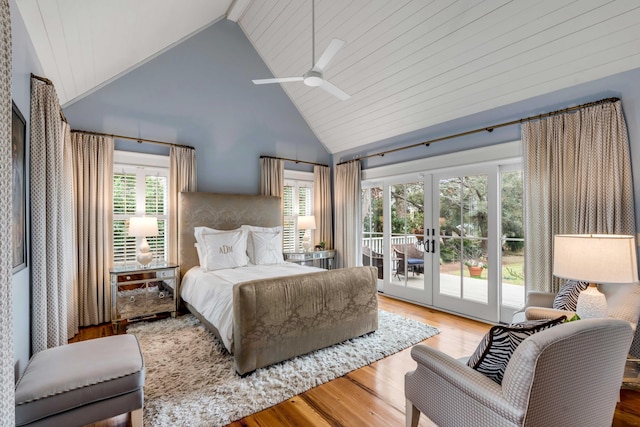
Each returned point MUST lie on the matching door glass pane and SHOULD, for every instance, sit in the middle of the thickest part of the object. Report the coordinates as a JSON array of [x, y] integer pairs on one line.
[[512, 232], [464, 237], [372, 226], [407, 234]]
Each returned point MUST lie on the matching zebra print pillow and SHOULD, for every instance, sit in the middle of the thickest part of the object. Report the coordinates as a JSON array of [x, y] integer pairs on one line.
[[497, 346], [567, 297]]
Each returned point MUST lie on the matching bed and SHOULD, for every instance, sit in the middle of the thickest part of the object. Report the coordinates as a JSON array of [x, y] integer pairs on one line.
[[274, 318]]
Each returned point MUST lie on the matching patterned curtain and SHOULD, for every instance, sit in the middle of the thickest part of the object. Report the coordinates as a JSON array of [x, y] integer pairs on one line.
[[347, 196], [92, 158], [182, 177], [577, 171], [322, 205], [48, 236], [70, 254], [7, 404]]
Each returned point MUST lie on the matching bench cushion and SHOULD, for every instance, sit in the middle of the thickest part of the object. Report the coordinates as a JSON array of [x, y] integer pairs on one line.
[[67, 377]]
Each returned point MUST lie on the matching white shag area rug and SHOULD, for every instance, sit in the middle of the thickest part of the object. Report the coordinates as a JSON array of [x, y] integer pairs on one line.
[[191, 381]]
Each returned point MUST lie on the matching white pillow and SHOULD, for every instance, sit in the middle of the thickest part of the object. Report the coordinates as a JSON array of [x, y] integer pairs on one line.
[[201, 256], [264, 244], [225, 249], [203, 249]]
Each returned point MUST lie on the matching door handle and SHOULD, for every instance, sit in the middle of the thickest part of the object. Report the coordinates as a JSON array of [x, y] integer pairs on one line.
[[426, 242], [433, 245]]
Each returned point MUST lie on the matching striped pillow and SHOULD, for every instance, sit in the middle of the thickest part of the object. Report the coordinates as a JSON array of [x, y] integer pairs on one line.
[[567, 297], [494, 351]]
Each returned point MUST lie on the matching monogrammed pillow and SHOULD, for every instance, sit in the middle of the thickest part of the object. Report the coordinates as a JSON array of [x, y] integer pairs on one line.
[[225, 249]]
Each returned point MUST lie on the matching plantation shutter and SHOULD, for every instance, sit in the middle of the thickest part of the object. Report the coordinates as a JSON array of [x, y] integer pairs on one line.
[[124, 205], [298, 200], [155, 202]]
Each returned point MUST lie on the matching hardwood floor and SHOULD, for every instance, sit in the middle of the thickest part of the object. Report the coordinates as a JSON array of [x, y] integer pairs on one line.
[[374, 395]]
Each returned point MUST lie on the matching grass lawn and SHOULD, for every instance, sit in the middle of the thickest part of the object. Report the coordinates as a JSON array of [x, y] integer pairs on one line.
[[512, 269]]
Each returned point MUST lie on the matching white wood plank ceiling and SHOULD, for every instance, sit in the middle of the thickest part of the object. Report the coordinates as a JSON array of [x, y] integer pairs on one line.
[[407, 64], [83, 44]]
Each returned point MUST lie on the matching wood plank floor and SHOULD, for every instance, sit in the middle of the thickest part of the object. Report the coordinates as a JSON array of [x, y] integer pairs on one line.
[[374, 395]]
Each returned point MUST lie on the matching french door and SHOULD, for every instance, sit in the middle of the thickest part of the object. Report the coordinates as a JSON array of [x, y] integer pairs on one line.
[[466, 209], [440, 237]]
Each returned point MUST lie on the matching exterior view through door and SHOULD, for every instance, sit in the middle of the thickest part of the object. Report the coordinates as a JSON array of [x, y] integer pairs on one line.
[[451, 240]]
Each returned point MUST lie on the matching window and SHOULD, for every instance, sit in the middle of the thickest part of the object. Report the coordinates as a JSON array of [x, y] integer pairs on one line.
[[140, 187], [298, 200]]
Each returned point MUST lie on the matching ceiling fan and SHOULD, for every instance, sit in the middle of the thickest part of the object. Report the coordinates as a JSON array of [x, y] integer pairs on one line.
[[314, 77]]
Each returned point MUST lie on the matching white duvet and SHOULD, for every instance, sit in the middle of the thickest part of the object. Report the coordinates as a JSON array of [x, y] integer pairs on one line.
[[211, 292]]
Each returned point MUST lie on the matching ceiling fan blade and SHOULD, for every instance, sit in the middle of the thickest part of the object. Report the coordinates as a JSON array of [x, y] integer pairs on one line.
[[277, 80], [328, 55], [334, 90]]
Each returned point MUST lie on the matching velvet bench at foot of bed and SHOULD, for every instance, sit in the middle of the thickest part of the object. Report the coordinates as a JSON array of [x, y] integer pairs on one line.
[[81, 383]]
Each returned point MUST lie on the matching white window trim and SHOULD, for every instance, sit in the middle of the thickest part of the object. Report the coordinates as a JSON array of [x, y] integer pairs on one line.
[[135, 163], [297, 177]]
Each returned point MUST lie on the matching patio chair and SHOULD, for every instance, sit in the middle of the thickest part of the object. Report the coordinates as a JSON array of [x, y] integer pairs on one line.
[[374, 259], [414, 259]]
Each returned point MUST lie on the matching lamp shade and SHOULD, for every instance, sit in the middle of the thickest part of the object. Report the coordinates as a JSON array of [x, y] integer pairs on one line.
[[595, 258], [143, 226], [307, 222]]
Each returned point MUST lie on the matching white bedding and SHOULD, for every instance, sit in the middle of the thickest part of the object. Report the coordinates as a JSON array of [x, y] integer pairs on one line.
[[211, 292]]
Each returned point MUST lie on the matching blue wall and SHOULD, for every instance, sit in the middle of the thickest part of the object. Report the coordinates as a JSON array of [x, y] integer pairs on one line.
[[25, 62], [200, 93], [625, 86]]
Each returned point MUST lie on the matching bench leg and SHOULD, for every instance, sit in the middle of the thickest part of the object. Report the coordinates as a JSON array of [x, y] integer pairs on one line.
[[136, 418]]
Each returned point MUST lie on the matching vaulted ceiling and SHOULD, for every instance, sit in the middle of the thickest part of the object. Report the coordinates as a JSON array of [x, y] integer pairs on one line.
[[407, 64]]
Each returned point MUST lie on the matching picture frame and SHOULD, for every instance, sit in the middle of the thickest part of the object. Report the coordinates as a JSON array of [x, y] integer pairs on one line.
[[19, 207]]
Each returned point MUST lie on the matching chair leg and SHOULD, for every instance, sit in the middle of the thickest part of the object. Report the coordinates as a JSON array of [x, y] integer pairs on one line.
[[136, 418], [412, 414]]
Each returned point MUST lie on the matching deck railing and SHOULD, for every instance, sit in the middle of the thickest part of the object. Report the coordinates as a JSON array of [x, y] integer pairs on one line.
[[376, 244]]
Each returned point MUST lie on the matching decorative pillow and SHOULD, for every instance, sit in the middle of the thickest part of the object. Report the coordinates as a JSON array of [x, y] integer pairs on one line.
[[219, 249], [264, 245], [227, 249], [567, 297], [494, 351]]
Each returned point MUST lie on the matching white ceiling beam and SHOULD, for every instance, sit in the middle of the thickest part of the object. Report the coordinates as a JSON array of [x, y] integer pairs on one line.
[[237, 9]]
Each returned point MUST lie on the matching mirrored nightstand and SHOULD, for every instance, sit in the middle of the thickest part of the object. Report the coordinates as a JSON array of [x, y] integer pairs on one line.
[[324, 259]]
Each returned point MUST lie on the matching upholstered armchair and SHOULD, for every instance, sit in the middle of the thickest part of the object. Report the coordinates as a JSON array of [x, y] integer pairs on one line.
[[414, 258], [374, 259], [568, 375], [623, 302]]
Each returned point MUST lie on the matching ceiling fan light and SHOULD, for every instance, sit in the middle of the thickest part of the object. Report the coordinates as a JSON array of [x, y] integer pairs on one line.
[[312, 81]]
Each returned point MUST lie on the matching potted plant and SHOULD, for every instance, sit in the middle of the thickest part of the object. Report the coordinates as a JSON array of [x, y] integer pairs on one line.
[[475, 268]]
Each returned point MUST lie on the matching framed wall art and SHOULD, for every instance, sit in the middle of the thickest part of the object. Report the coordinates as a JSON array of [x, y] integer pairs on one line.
[[19, 214]]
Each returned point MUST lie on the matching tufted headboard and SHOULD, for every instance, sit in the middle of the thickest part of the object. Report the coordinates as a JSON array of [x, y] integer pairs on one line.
[[223, 212]]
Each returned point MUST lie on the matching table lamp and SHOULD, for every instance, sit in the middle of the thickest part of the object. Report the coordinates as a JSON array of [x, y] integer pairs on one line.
[[306, 222], [143, 226], [595, 258]]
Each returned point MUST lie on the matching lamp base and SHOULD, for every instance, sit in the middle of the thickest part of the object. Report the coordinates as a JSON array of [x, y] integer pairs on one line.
[[144, 256], [591, 303], [306, 241]]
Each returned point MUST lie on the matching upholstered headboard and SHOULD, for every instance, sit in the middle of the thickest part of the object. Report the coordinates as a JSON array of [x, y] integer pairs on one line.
[[222, 212]]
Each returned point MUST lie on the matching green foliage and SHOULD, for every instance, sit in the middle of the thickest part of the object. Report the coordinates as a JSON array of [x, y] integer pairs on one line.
[[573, 318]]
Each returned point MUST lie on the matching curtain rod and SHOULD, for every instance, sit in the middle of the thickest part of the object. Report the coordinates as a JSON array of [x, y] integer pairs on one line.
[[50, 83], [486, 129], [139, 140], [292, 160]]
